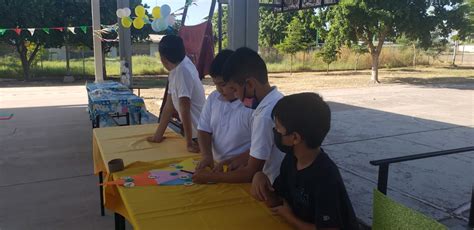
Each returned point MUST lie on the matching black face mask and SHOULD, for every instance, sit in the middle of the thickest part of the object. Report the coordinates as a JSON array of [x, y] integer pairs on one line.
[[279, 144]]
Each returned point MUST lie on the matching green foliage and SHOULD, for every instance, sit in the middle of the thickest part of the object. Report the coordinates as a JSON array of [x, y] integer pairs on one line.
[[294, 40], [272, 26]]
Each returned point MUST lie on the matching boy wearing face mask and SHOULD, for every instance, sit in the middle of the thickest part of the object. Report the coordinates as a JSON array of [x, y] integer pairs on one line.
[[224, 125], [309, 192], [245, 73]]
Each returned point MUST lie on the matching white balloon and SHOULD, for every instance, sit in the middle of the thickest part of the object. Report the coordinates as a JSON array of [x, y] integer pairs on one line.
[[171, 20], [127, 12], [120, 13]]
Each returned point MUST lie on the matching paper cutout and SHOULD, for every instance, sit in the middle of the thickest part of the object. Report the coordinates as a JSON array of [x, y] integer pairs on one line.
[[18, 31], [32, 31]]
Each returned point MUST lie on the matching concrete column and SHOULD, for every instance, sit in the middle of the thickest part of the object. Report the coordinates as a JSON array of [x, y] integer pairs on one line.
[[99, 75], [243, 24], [125, 48]]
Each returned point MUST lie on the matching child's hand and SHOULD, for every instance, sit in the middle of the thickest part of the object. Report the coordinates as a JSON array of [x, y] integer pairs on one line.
[[193, 147], [261, 186], [202, 176], [155, 139], [233, 163], [283, 210], [205, 162]]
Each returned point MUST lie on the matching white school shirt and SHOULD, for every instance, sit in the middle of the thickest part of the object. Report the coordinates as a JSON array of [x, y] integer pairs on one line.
[[263, 144], [229, 123], [184, 82]]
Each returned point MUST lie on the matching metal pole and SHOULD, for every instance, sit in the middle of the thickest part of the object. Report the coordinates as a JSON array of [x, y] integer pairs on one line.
[[125, 48], [99, 75], [219, 25], [383, 178], [471, 211], [185, 13]]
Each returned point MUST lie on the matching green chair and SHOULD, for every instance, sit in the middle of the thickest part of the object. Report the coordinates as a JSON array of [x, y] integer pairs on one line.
[[388, 214]]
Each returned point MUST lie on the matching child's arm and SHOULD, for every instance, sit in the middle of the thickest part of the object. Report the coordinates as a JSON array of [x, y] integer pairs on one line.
[[205, 143], [285, 212], [185, 109], [242, 175], [234, 163], [165, 118]]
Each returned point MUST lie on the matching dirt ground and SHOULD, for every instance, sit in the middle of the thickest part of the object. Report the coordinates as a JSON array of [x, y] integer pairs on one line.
[[314, 81]]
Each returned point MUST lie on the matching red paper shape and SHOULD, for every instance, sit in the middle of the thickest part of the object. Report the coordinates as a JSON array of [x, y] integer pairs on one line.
[[18, 31]]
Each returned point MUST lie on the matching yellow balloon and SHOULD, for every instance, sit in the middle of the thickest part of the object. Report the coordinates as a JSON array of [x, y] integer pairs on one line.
[[138, 23], [140, 11], [156, 12], [126, 22]]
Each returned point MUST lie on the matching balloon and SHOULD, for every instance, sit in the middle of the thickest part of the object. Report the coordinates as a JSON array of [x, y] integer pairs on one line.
[[126, 22], [156, 12], [171, 20], [163, 23], [154, 25], [120, 13], [140, 11], [127, 12], [165, 10], [146, 19], [138, 23]]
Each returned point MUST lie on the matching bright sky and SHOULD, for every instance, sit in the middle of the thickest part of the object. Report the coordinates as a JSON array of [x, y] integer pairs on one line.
[[195, 13]]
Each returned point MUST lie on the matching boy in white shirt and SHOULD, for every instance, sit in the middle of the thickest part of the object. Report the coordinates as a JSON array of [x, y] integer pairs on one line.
[[224, 128], [245, 73], [185, 91]]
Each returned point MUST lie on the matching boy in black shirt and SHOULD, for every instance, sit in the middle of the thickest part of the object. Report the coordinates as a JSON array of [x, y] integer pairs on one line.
[[309, 192]]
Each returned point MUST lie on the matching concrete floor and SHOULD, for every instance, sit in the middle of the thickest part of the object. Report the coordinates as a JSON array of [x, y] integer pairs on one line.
[[46, 179]]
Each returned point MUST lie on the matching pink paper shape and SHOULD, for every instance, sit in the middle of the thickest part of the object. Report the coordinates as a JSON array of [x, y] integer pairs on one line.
[[165, 176]]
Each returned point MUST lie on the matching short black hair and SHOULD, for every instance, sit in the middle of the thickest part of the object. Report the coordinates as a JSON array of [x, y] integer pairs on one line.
[[306, 114], [244, 64], [172, 48], [217, 65]]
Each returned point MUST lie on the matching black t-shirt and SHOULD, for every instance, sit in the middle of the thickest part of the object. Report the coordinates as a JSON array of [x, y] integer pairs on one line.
[[316, 194]]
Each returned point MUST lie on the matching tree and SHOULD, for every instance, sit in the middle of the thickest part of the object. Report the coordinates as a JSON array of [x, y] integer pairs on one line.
[[271, 25], [358, 50], [215, 30], [328, 54], [293, 41], [374, 22], [306, 18], [49, 14], [406, 42]]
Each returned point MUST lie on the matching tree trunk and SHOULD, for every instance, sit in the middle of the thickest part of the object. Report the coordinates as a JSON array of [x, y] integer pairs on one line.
[[22, 51], [304, 58], [291, 64], [454, 52], [375, 67], [104, 70], [357, 62], [68, 69], [327, 70], [414, 55]]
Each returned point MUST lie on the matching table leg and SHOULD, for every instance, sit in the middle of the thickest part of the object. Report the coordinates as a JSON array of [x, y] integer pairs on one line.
[[119, 222], [101, 189]]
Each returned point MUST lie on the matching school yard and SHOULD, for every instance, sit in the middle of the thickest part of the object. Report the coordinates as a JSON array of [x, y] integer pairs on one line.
[[46, 179]]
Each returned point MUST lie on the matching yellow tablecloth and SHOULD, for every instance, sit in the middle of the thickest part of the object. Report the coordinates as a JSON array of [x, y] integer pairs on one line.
[[129, 144], [215, 206]]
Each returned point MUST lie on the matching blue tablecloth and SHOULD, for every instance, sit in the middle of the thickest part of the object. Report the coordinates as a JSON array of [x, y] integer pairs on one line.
[[111, 98]]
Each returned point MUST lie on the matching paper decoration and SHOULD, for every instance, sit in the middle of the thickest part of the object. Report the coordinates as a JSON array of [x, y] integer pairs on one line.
[[84, 29], [61, 29], [46, 30], [18, 31], [32, 31], [2, 31], [72, 29]]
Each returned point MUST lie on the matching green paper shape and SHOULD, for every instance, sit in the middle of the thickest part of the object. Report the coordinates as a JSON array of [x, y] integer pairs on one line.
[[46, 30], [84, 29], [389, 214], [2, 31]]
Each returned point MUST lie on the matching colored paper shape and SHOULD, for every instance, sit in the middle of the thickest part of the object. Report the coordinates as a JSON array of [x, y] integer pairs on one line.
[[32, 31], [84, 29], [18, 31], [2, 31], [61, 29], [71, 29], [46, 30]]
